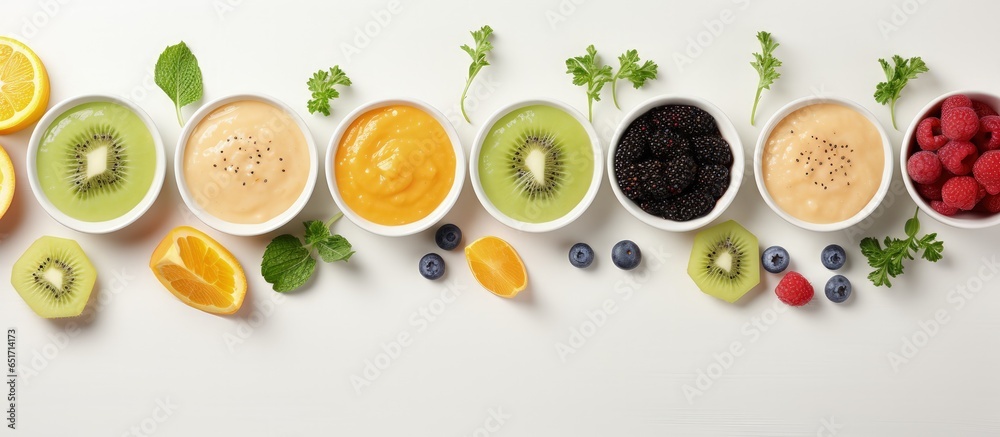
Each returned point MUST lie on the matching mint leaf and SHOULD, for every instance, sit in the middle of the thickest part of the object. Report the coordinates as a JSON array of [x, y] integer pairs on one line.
[[334, 248], [287, 264], [177, 74]]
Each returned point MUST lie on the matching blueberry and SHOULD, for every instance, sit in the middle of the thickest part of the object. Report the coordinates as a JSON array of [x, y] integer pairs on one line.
[[432, 266], [581, 255], [833, 257], [448, 236], [775, 259], [626, 255], [838, 288]]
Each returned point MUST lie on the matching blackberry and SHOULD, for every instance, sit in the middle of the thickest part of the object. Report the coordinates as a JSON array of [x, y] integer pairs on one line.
[[631, 149], [712, 179], [686, 119], [628, 181], [667, 145], [688, 206], [661, 180], [711, 150]]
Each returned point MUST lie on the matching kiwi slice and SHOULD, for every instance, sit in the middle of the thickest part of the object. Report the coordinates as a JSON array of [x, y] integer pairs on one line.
[[54, 277], [96, 162], [536, 164], [725, 261]]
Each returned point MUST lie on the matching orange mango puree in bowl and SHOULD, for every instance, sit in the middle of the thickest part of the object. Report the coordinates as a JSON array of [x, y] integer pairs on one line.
[[394, 165]]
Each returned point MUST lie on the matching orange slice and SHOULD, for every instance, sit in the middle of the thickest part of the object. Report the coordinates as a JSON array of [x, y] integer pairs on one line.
[[6, 181], [199, 271], [24, 86], [496, 266]]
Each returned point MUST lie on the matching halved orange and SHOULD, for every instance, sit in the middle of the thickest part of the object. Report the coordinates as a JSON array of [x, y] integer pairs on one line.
[[496, 266], [199, 271], [24, 86], [6, 181]]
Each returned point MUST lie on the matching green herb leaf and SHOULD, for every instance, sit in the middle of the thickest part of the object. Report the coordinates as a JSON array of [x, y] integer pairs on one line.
[[888, 262], [588, 71], [629, 69], [321, 84], [288, 264], [483, 46], [766, 65], [896, 78], [177, 74]]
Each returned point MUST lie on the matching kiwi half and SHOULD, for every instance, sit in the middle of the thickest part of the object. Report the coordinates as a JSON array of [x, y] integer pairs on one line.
[[725, 261], [54, 277], [96, 161], [536, 163]]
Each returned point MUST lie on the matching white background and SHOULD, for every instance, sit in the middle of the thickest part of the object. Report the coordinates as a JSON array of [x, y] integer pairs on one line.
[[819, 370]]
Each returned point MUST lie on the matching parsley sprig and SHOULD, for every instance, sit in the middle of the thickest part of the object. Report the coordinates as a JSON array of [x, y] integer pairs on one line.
[[766, 65], [322, 86], [288, 264], [483, 46], [896, 77], [588, 71], [629, 69], [888, 261]]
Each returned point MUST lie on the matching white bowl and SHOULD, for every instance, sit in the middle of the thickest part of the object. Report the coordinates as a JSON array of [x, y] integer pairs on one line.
[[573, 214], [102, 227], [243, 229], [883, 187], [728, 132], [965, 219], [410, 228]]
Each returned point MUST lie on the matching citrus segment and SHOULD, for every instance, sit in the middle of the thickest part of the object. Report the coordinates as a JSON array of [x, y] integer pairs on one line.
[[24, 86], [6, 181], [199, 271], [496, 266]]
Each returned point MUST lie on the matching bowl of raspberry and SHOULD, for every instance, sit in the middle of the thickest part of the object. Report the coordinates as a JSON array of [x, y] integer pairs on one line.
[[676, 163], [951, 159]]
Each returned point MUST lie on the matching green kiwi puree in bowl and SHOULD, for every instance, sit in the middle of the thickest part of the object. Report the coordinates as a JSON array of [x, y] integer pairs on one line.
[[536, 163], [96, 161]]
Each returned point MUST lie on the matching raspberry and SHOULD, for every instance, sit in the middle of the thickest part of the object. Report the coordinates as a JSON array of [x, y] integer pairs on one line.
[[923, 167], [987, 171], [929, 135], [989, 133], [989, 204], [943, 208], [931, 191], [958, 156], [982, 109], [959, 124], [956, 101], [794, 289], [961, 192]]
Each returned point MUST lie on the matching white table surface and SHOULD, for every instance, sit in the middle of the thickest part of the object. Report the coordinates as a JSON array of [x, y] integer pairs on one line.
[[476, 364]]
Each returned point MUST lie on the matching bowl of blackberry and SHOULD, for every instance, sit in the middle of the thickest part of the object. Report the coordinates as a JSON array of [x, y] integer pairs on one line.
[[676, 163]]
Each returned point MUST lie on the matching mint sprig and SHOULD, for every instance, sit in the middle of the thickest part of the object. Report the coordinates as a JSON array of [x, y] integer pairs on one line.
[[288, 263], [177, 74]]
